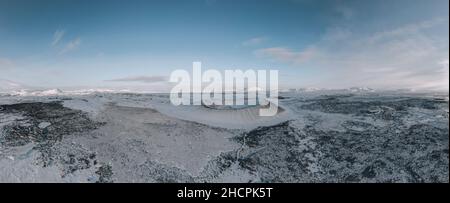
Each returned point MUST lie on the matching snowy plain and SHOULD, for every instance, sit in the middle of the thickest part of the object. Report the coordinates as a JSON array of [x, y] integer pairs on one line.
[[355, 135]]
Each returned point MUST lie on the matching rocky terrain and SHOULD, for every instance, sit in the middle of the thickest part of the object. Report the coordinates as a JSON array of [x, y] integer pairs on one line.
[[319, 137]]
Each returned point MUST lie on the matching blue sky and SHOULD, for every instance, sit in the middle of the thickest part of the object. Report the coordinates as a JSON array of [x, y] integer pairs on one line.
[[313, 43]]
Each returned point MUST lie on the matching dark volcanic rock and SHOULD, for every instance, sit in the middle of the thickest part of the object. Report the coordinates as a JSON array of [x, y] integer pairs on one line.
[[416, 154], [61, 121], [362, 152], [278, 153], [44, 124], [105, 174], [386, 110]]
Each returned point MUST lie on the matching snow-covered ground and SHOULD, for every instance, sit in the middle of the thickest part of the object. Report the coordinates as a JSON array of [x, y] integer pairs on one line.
[[355, 135]]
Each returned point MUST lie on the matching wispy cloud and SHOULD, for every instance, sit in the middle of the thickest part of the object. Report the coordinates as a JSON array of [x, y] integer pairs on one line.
[[286, 55], [57, 36], [254, 41], [334, 34], [142, 79], [70, 46], [409, 29], [408, 56]]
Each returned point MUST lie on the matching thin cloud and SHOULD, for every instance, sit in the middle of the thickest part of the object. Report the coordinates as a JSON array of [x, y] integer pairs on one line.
[[57, 36], [408, 56], [336, 34], [254, 41], [142, 79], [404, 57], [413, 28], [70, 46], [286, 55]]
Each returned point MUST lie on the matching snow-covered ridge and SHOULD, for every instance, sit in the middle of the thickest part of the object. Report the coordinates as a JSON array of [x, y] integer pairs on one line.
[[24, 92], [55, 92], [315, 89]]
